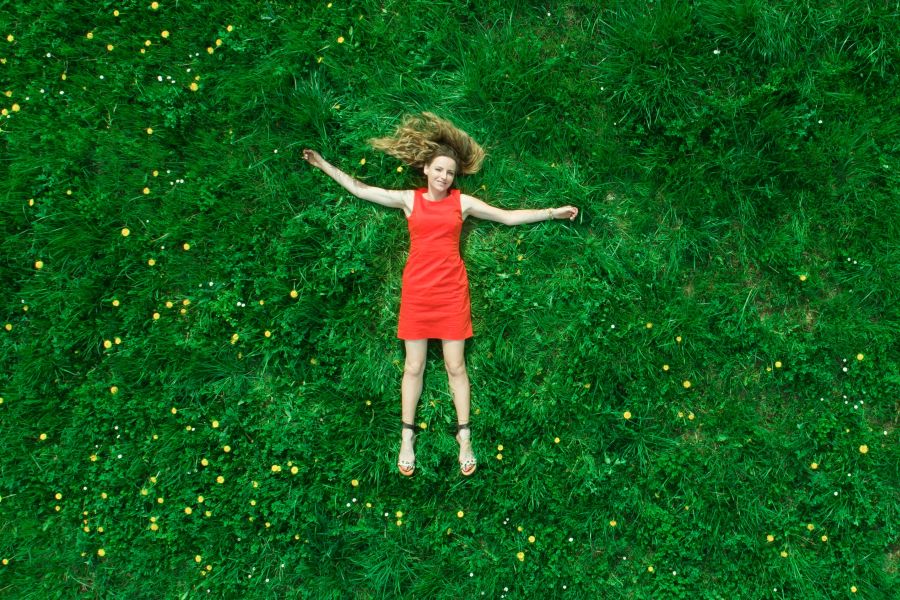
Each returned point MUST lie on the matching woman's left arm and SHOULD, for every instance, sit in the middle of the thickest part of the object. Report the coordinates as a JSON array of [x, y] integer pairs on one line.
[[473, 207]]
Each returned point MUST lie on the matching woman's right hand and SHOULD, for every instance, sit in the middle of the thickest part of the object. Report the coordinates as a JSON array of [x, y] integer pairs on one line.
[[313, 158]]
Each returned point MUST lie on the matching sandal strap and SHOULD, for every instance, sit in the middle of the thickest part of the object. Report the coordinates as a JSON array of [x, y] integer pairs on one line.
[[461, 426], [408, 425]]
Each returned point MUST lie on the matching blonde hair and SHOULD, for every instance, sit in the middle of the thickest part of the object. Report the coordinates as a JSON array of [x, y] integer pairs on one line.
[[420, 139]]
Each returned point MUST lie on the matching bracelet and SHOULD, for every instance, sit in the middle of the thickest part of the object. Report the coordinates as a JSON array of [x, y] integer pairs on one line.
[[549, 214]]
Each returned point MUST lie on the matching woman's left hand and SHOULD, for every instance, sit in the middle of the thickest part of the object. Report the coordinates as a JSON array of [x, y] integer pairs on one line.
[[565, 212]]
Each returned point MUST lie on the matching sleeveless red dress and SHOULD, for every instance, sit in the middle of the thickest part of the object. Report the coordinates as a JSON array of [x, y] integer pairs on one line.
[[434, 299]]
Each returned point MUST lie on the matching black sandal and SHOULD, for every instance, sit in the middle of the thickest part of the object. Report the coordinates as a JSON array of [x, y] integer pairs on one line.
[[468, 466], [406, 467]]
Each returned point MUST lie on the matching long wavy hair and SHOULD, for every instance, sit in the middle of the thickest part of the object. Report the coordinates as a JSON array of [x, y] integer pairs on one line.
[[420, 139]]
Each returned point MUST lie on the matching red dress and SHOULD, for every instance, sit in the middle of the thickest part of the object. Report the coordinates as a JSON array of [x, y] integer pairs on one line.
[[434, 299]]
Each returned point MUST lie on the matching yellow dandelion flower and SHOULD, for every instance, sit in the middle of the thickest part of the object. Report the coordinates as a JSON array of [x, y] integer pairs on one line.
[[520, 556], [399, 169], [210, 49], [198, 558], [93, 458], [15, 107], [860, 356], [154, 5], [810, 526], [613, 523], [864, 449], [340, 40], [627, 414], [499, 456], [267, 333], [194, 87], [220, 479], [690, 416], [802, 277], [149, 131], [169, 304], [814, 466], [650, 569], [165, 34], [200, 499], [126, 232], [294, 293], [686, 384], [500, 447], [110, 47], [188, 510], [156, 316], [531, 539], [8, 327], [230, 28], [770, 538], [114, 390], [116, 303], [174, 411], [115, 13], [42, 437], [146, 190], [294, 470], [784, 554], [354, 483], [218, 42], [39, 264], [649, 325], [777, 364], [226, 448], [276, 468], [215, 424], [556, 440], [824, 538], [204, 462], [154, 527], [89, 35], [101, 552], [853, 589], [160, 500]]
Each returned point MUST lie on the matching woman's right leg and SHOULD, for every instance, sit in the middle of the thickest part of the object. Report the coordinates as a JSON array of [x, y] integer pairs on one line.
[[410, 390]]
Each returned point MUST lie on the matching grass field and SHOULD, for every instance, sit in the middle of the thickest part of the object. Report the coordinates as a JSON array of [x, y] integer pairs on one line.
[[692, 391]]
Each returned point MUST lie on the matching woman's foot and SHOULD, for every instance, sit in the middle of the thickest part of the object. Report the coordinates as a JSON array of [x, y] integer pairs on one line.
[[467, 462], [406, 463]]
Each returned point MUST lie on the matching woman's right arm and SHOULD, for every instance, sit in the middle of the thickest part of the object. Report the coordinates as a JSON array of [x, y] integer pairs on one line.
[[390, 198]]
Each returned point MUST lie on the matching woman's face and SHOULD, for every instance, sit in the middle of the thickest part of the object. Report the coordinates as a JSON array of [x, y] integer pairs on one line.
[[440, 173]]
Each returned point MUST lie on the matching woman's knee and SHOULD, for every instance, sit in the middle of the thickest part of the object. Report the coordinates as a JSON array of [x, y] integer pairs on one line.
[[414, 367], [455, 368]]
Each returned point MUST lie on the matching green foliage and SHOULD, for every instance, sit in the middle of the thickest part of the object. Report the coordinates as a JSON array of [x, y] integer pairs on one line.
[[735, 164]]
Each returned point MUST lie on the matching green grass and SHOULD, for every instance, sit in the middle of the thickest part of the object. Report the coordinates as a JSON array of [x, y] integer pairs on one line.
[[736, 167]]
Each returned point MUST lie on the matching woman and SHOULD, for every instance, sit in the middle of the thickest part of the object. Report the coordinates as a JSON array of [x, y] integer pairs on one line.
[[434, 300]]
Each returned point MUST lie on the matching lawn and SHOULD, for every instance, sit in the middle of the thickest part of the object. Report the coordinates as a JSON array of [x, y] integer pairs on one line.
[[691, 391]]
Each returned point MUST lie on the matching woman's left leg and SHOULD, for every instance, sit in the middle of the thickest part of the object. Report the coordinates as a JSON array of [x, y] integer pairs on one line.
[[455, 362]]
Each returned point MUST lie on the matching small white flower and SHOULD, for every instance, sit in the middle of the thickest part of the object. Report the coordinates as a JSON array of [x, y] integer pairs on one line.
[[820, 121], [717, 51], [159, 77], [210, 284], [49, 55]]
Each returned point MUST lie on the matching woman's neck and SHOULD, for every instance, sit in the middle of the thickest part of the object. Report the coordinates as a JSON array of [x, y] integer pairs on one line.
[[432, 195]]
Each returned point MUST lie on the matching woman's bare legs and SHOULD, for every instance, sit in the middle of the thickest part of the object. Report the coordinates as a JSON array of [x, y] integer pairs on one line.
[[410, 390], [455, 361]]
